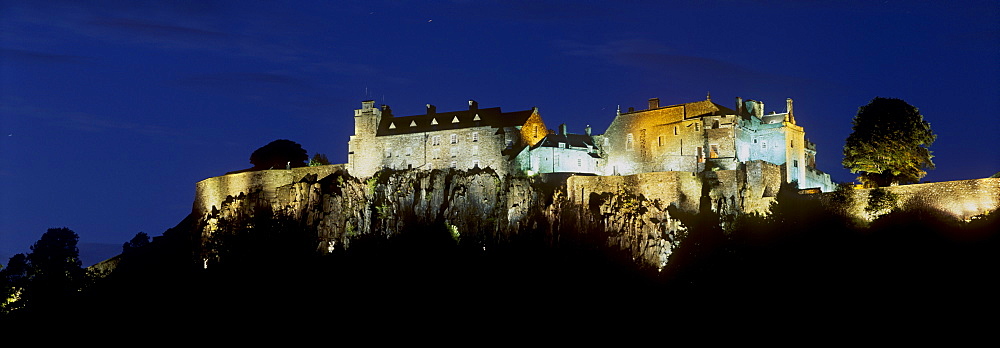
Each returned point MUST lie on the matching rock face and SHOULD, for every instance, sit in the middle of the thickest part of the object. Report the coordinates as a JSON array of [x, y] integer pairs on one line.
[[477, 206], [630, 216]]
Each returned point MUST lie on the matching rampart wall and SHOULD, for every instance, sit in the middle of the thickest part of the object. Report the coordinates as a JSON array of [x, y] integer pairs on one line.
[[961, 199], [213, 191]]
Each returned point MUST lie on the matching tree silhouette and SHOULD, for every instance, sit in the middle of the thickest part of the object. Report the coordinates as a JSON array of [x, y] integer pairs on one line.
[[55, 273], [279, 154], [141, 239], [889, 144], [13, 279]]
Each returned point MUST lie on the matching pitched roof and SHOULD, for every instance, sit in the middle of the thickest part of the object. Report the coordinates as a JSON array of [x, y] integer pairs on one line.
[[573, 140], [695, 109], [439, 121]]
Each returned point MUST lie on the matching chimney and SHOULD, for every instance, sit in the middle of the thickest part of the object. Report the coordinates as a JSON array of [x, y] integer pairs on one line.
[[562, 129], [473, 105], [631, 109], [739, 106], [654, 103], [788, 109], [587, 130], [431, 109]]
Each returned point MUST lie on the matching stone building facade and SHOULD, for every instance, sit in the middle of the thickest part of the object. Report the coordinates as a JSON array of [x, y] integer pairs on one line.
[[561, 152], [461, 139], [701, 135]]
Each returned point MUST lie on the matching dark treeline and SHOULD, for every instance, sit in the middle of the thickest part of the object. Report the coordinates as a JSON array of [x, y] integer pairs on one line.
[[803, 255]]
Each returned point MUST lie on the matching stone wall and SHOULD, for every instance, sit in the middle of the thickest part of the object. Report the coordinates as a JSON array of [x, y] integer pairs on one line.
[[961, 199], [212, 192]]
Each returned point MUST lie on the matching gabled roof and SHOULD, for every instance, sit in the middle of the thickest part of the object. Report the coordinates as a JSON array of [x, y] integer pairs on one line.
[[573, 140], [706, 107], [694, 109], [439, 121]]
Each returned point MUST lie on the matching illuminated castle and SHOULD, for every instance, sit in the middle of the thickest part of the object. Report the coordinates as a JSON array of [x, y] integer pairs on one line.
[[437, 140], [690, 137], [693, 137]]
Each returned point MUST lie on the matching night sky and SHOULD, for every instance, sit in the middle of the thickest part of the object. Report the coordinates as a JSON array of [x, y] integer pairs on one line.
[[110, 111]]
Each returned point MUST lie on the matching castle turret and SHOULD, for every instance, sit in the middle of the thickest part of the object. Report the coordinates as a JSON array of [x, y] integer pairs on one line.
[[360, 158]]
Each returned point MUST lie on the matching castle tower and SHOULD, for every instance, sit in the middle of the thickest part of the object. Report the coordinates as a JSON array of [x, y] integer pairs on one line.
[[362, 149]]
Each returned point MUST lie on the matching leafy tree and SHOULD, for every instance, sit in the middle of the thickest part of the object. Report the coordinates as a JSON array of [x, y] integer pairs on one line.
[[12, 281], [319, 160], [279, 154], [55, 264], [881, 202], [141, 239], [889, 143]]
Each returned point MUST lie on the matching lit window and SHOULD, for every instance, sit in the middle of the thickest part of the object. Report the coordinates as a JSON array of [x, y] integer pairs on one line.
[[436, 140], [714, 152], [629, 142], [454, 151], [454, 164], [436, 153], [697, 127], [475, 136], [579, 162], [701, 156], [454, 138]]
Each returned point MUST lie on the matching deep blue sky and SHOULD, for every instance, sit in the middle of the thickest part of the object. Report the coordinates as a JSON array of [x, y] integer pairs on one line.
[[110, 111]]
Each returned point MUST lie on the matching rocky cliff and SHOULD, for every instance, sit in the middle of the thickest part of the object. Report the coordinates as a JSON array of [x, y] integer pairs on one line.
[[478, 206]]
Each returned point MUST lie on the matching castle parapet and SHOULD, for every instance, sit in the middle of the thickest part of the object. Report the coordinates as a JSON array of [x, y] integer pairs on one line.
[[213, 191]]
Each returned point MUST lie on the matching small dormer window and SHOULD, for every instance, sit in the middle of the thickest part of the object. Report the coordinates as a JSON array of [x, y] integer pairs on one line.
[[562, 145]]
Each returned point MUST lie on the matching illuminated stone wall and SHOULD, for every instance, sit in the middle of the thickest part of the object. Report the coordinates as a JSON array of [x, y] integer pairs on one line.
[[961, 199], [212, 192]]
